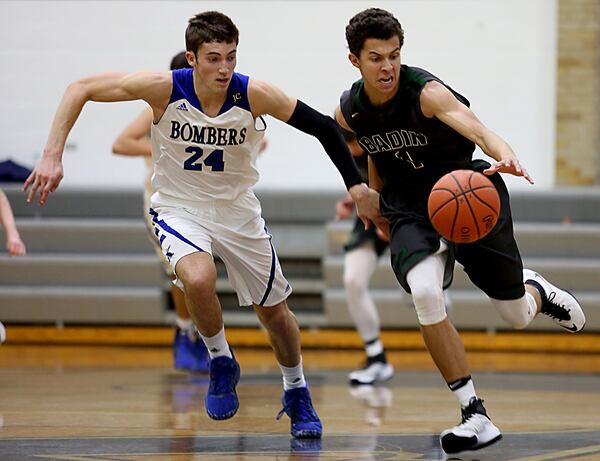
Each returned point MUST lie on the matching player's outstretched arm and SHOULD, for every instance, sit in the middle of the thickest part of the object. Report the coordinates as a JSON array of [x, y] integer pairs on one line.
[[153, 87], [266, 98], [438, 101]]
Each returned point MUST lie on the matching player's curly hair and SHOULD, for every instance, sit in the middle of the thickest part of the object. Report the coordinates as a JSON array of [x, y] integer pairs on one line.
[[210, 26], [372, 23]]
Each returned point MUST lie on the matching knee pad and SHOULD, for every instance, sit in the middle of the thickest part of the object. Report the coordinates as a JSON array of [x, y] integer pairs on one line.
[[429, 304], [518, 313]]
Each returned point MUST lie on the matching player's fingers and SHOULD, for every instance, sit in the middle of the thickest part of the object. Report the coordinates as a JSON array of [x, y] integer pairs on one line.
[[518, 167], [527, 176], [28, 182], [49, 187], [33, 191], [43, 195]]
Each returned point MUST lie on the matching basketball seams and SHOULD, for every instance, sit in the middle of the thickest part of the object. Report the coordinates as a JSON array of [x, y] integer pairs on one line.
[[464, 193], [454, 197], [497, 212]]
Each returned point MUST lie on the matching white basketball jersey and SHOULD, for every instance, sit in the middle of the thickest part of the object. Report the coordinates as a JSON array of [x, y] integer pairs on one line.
[[200, 159]]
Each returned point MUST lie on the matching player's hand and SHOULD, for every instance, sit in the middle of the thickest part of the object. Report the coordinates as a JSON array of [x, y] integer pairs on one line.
[[367, 204], [344, 208], [510, 166], [45, 178], [383, 232], [15, 246]]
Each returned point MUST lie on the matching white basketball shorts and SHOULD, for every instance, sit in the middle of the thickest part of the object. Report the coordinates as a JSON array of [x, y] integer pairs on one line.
[[233, 231]]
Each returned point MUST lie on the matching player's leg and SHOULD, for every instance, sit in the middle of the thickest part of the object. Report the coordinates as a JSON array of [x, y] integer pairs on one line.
[[187, 244], [198, 274], [254, 271], [447, 350], [359, 265], [494, 265], [424, 267], [284, 335], [189, 351]]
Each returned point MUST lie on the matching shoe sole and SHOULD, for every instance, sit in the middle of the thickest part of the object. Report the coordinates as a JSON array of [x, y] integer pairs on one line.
[[454, 439], [307, 434], [224, 416]]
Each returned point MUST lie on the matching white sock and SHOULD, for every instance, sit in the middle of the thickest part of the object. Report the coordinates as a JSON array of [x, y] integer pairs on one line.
[[293, 377], [374, 348], [217, 345], [465, 393]]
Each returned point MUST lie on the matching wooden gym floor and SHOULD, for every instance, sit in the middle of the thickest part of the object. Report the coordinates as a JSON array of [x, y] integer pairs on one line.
[[111, 394]]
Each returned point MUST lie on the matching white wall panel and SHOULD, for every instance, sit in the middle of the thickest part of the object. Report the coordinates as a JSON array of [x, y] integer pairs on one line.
[[501, 54]]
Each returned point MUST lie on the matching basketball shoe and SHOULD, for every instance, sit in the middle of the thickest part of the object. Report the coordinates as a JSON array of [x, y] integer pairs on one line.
[[475, 431], [374, 371], [297, 404], [560, 305], [189, 353], [221, 400]]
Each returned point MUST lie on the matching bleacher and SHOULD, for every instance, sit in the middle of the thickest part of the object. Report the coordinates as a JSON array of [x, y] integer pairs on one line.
[[90, 261]]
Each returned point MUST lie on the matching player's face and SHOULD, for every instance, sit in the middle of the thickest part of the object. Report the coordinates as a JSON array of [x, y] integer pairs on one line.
[[379, 65], [214, 63]]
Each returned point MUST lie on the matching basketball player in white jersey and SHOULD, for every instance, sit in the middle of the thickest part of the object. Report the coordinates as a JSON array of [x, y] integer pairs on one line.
[[205, 136]]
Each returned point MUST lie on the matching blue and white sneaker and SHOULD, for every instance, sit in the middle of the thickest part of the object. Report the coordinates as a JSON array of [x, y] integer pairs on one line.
[[189, 354], [221, 400], [305, 423]]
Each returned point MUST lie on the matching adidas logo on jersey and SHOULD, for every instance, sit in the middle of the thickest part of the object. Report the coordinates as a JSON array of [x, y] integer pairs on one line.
[[182, 106]]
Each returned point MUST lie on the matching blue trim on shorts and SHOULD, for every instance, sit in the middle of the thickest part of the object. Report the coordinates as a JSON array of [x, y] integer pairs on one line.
[[271, 275], [164, 226]]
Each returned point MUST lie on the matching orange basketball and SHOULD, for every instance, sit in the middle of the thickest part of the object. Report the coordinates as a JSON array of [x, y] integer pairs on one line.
[[463, 206]]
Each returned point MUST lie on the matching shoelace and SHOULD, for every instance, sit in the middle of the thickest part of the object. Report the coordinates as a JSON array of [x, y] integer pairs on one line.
[[556, 310], [220, 382], [297, 408], [474, 422], [472, 409]]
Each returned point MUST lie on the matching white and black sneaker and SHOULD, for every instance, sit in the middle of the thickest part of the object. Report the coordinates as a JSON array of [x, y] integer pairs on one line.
[[560, 305], [374, 371], [475, 431]]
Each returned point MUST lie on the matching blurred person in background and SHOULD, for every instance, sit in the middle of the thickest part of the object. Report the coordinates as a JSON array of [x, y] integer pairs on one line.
[[14, 244]]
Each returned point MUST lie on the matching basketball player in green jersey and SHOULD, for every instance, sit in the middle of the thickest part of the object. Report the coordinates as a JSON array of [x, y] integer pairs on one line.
[[416, 129]]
